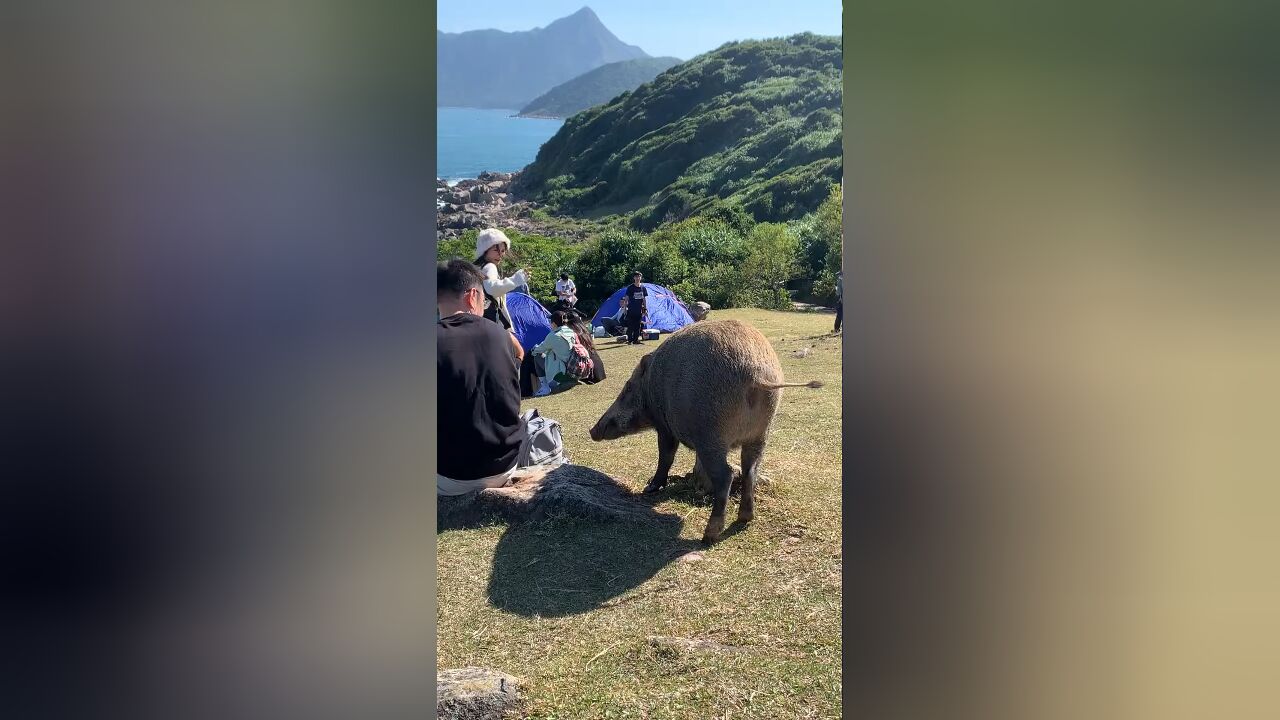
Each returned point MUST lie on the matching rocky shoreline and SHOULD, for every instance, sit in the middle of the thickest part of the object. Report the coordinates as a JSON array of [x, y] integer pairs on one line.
[[487, 201]]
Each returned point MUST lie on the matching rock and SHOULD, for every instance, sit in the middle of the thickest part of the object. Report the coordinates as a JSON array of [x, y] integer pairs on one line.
[[459, 198], [475, 694], [699, 310], [690, 557], [485, 197], [568, 490]]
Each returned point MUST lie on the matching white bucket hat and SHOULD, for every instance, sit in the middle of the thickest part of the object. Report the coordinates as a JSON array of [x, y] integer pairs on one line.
[[488, 238]]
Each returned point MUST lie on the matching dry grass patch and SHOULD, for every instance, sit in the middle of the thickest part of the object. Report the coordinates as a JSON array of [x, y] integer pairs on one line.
[[571, 605]]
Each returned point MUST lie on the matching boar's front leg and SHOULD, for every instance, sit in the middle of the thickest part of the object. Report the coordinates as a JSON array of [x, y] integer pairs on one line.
[[667, 446]]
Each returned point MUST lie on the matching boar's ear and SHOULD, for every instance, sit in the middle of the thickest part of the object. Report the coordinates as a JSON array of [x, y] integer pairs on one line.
[[643, 367]]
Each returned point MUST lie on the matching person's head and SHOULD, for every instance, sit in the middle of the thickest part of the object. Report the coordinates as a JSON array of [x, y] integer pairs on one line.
[[622, 302], [636, 278], [564, 276], [559, 318], [459, 288], [491, 245]]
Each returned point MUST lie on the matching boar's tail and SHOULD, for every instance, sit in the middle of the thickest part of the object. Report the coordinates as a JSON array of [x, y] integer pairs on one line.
[[777, 386]]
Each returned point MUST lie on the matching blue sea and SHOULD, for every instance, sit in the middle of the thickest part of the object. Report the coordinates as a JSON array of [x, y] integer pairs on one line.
[[470, 141]]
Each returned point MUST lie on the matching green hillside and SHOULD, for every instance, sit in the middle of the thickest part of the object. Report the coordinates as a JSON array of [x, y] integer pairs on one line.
[[597, 87], [753, 125]]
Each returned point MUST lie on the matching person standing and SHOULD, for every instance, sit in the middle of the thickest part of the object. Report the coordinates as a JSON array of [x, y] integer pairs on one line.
[[839, 300], [491, 246], [637, 308]]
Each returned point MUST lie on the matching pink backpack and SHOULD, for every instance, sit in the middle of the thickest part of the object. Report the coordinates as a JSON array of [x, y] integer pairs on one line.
[[579, 366]]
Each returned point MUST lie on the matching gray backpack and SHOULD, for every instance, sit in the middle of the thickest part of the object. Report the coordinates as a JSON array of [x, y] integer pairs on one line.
[[542, 444]]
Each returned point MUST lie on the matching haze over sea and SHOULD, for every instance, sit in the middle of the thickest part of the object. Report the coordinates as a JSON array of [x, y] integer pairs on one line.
[[470, 141]]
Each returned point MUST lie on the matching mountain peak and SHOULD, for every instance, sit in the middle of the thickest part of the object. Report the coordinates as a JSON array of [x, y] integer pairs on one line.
[[585, 16]]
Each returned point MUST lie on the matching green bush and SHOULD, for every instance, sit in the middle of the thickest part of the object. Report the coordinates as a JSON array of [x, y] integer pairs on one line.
[[708, 259], [820, 237], [770, 263]]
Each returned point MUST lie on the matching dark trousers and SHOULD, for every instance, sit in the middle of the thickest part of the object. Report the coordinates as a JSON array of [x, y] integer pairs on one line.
[[633, 328], [839, 314], [611, 326]]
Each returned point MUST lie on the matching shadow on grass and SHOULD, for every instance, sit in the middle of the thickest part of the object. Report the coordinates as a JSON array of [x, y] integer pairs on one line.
[[576, 539], [568, 566]]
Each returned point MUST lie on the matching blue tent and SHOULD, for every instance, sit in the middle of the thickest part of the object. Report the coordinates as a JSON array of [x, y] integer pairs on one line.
[[531, 321], [666, 313]]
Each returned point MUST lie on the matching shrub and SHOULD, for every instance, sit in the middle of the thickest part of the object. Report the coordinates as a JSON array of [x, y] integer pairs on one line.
[[770, 263]]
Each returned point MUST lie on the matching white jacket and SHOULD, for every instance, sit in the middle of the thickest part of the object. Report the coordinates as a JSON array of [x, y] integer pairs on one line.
[[496, 285]]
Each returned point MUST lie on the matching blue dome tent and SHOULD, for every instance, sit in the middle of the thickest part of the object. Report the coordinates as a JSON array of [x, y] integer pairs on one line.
[[666, 313], [529, 319]]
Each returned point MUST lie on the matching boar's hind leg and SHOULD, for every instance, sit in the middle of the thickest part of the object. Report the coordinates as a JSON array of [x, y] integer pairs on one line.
[[717, 468], [667, 446], [751, 454]]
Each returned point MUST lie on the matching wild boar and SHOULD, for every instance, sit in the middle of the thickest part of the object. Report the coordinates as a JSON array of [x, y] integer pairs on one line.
[[712, 386]]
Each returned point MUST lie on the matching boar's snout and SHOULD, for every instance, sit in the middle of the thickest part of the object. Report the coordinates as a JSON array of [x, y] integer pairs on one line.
[[605, 429]]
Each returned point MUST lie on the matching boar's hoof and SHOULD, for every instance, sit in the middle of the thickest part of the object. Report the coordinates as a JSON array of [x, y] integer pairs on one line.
[[712, 534], [745, 516], [654, 486]]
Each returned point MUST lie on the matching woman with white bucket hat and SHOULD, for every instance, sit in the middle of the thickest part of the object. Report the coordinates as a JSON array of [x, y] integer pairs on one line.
[[491, 245]]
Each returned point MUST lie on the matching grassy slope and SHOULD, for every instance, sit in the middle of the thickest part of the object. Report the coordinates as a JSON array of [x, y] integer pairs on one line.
[[755, 123], [571, 590], [597, 86]]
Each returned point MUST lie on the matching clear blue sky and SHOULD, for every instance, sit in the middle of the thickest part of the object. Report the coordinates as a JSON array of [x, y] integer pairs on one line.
[[682, 28]]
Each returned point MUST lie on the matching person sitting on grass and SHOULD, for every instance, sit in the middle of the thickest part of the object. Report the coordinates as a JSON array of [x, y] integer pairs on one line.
[[583, 331], [477, 385], [566, 293], [614, 323], [556, 349]]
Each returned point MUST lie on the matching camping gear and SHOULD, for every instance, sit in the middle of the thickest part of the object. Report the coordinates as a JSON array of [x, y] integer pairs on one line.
[[666, 313], [599, 331], [530, 320], [649, 334], [542, 443]]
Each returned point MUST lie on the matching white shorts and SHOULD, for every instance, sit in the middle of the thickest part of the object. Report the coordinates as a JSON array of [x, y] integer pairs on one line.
[[449, 486]]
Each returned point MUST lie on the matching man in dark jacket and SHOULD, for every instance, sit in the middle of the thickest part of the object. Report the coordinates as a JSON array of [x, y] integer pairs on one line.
[[478, 388]]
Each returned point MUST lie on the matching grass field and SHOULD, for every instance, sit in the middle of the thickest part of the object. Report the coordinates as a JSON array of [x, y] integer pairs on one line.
[[571, 606]]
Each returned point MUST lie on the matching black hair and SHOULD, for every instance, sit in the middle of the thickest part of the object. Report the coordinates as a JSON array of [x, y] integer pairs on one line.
[[564, 276], [560, 317], [583, 331], [455, 277]]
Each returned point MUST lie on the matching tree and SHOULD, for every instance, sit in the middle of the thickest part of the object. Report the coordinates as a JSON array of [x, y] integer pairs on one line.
[[769, 265]]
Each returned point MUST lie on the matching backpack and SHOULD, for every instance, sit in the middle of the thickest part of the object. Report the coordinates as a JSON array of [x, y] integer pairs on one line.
[[579, 365], [542, 443]]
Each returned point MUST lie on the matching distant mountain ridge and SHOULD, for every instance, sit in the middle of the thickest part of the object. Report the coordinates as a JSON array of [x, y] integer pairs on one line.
[[596, 87], [752, 126], [497, 69]]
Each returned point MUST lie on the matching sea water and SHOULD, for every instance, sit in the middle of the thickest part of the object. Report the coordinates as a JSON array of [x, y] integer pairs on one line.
[[470, 141]]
